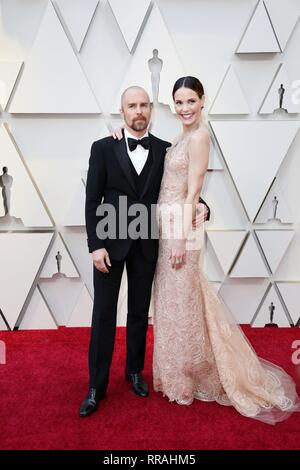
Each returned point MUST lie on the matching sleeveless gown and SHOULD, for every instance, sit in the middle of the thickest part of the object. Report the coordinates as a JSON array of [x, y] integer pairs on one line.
[[200, 352]]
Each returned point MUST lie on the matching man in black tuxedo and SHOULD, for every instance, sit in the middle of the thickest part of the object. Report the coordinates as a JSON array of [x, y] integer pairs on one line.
[[130, 170]]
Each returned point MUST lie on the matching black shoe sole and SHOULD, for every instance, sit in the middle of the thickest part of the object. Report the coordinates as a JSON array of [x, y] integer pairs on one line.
[[85, 415], [139, 394]]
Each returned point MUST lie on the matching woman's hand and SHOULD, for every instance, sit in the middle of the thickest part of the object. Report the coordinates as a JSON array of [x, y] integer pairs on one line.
[[178, 253], [118, 134]]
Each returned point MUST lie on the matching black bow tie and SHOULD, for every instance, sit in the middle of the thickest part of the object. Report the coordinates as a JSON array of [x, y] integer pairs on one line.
[[133, 143]]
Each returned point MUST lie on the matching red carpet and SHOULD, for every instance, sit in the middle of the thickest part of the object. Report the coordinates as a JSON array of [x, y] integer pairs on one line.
[[45, 379]]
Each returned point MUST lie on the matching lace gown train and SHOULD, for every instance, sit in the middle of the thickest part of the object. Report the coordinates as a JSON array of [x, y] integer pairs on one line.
[[199, 349]]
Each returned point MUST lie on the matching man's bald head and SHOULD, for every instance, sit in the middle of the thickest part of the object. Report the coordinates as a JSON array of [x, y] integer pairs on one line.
[[131, 92]]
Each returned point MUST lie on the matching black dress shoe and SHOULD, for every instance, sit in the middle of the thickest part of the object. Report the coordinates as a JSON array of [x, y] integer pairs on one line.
[[90, 404], [139, 385]]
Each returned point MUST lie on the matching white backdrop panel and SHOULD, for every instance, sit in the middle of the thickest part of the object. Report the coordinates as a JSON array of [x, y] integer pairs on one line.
[[243, 297], [254, 151], [26, 203], [38, 315], [259, 35], [155, 36], [82, 313], [230, 98], [290, 292], [271, 101], [9, 72], [52, 80], [56, 148], [21, 255], [249, 262], [284, 16], [52, 265], [226, 245], [263, 316], [274, 244], [130, 16], [77, 16]]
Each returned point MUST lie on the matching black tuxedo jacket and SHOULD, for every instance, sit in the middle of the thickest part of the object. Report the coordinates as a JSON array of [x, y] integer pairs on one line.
[[109, 177]]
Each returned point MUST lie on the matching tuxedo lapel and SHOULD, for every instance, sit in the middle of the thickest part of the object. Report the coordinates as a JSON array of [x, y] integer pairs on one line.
[[155, 164], [120, 150]]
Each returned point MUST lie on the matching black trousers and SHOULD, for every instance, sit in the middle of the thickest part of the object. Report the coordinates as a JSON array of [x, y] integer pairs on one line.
[[140, 272]]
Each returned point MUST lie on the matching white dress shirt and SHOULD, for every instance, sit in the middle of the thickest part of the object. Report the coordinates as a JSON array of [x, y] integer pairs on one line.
[[139, 155]]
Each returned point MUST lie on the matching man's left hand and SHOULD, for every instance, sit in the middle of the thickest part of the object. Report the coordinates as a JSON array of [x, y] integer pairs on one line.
[[201, 215]]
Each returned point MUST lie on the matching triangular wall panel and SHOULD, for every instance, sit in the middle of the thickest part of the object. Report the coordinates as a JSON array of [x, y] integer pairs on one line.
[[211, 264], [226, 244], [230, 98], [82, 313], [77, 16], [290, 292], [22, 189], [52, 80], [19, 270], [37, 315], [274, 244], [76, 213], [276, 205], [243, 296], [259, 36], [271, 102], [3, 326], [130, 15], [59, 261], [249, 262], [61, 294], [262, 318], [9, 72], [76, 241], [226, 208], [155, 36], [284, 16], [215, 162], [254, 151]]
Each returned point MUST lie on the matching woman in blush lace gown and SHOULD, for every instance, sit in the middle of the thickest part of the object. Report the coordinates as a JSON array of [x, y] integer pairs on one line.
[[199, 349]]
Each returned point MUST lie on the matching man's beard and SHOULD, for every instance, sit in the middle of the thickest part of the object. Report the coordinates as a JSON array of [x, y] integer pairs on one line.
[[139, 125]]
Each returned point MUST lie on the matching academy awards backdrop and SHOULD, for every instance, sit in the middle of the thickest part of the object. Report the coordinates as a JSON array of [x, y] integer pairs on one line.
[[63, 67]]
